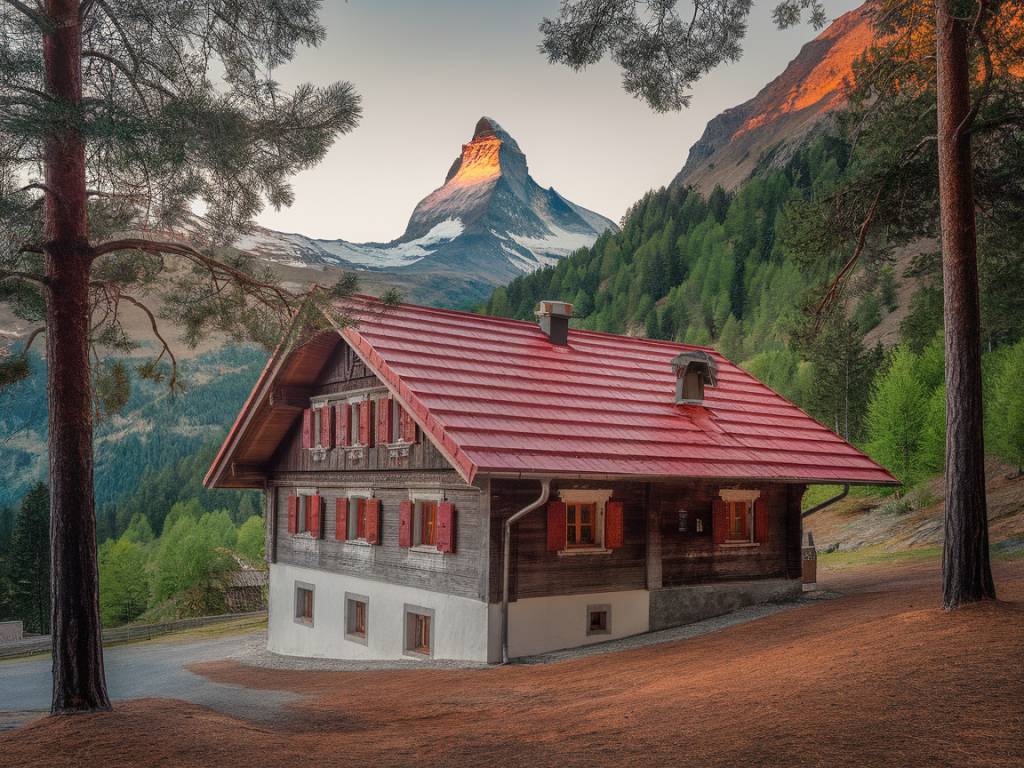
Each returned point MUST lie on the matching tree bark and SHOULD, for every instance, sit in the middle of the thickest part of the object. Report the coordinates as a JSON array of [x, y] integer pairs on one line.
[[966, 571], [79, 684]]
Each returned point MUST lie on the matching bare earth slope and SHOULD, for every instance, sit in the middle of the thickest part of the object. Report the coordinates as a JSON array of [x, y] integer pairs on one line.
[[880, 677]]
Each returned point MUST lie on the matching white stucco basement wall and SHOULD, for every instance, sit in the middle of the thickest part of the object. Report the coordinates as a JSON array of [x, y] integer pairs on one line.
[[460, 624], [542, 624]]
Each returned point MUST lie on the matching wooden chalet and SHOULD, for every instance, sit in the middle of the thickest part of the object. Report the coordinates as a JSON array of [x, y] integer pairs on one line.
[[442, 484]]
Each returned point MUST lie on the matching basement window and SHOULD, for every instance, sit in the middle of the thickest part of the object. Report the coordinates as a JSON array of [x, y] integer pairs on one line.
[[599, 619], [304, 603], [419, 631], [357, 610]]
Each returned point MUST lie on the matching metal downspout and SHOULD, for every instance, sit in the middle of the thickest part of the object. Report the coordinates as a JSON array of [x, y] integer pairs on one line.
[[545, 490], [827, 502]]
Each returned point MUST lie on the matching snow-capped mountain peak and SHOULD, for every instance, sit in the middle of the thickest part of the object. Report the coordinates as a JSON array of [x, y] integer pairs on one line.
[[487, 223]]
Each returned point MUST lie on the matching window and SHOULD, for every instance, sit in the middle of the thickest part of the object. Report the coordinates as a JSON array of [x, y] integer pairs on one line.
[[356, 617], [425, 524], [356, 517], [419, 631], [738, 516], [599, 619], [353, 423], [304, 603], [580, 524], [305, 509], [584, 521]]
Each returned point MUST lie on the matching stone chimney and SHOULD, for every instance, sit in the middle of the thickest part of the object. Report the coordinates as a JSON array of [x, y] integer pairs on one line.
[[694, 371], [553, 317]]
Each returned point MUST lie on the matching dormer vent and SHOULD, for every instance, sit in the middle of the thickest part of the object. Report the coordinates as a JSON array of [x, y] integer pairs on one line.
[[694, 371], [553, 317]]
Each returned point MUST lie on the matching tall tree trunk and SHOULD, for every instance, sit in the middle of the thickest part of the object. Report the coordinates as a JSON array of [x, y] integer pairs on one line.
[[966, 572], [78, 679]]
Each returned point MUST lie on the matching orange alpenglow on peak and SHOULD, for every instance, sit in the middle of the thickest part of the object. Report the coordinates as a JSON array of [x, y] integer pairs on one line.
[[480, 162], [481, 157]]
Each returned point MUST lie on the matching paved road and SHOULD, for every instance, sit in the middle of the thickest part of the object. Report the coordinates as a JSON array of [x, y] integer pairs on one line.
[[141, 670]]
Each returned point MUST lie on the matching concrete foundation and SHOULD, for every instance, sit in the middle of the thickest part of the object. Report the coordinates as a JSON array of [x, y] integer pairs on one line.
[[674, 606]]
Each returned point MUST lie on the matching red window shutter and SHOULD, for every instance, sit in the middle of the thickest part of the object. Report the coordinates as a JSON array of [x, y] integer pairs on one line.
[[372, 523], [405, 524], [556, 526], [365, 427], [341, 519], [406, 426], [613, 530], [293, 515], [384, 420], [326, 427], [343, 424], [761, 521], [315, 504], [307, 428], [446, 526], [719, 521]]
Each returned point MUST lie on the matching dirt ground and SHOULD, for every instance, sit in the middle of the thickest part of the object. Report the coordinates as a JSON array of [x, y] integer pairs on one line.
[[880, 677]]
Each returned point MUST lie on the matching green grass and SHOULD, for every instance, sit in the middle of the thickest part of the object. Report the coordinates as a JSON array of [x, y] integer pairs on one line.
[[877, 555]]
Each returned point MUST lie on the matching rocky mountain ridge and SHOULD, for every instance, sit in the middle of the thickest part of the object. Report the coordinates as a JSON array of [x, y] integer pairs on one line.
[[784, 113]]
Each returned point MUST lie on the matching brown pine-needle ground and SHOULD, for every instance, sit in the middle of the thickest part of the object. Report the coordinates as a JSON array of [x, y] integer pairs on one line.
[[881, 677]]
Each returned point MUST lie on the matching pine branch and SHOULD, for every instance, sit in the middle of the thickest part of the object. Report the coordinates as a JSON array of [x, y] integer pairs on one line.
[[217, 269]]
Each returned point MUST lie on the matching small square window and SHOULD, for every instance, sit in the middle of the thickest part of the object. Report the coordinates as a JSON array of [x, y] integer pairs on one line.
[[599, 619], [357, 617], [419, 631], [304, 603]]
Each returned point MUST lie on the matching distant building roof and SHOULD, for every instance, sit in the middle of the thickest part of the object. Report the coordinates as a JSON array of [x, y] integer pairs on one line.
[[499, 398]]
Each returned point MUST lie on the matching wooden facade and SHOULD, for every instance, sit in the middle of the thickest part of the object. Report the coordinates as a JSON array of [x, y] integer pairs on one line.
[[666, 535]]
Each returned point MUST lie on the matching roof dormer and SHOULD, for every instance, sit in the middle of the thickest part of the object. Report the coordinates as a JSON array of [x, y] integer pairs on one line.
[[694, 371]]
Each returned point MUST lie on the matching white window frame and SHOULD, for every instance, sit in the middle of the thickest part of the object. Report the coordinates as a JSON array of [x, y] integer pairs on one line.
[[417, 496], [350, 494], [599, 497], [747, 496]]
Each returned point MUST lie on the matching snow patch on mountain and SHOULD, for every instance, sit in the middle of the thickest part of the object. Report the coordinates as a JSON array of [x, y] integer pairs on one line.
[[294, 250]]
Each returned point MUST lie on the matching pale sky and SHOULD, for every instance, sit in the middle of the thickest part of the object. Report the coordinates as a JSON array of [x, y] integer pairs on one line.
[[428, 70]]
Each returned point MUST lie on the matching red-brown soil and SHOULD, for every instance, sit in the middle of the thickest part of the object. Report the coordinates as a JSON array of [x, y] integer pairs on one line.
[[880, 677]]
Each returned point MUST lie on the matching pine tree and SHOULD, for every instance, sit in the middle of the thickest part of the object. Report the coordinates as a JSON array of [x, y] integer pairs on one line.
[[117, 119], [124, 587], [896, 417], [1007, 408], [30, 561]]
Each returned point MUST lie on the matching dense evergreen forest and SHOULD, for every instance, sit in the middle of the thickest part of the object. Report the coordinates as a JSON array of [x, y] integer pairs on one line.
[[727, 270]]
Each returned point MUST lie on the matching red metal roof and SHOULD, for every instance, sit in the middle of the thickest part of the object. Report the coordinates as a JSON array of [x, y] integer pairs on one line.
[[499, 398]]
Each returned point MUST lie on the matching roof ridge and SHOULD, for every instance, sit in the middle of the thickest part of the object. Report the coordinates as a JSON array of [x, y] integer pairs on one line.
[[444, 311]]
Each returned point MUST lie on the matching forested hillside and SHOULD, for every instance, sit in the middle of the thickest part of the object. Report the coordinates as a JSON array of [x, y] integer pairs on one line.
[[725, 270], [153, 430]]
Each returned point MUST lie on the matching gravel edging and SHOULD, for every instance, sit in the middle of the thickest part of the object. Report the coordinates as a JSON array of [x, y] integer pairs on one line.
[[255, 654]]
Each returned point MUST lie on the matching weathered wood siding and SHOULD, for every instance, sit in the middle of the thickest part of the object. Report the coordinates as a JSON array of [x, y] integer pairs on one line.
[[536, 572], [690, 558], [463, 572], [345, 373], [681, 558]]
